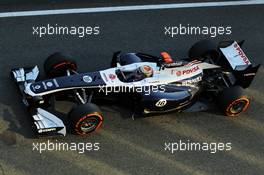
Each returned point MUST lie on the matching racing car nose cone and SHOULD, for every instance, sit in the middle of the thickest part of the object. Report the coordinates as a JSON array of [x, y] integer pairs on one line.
[[87, 79]]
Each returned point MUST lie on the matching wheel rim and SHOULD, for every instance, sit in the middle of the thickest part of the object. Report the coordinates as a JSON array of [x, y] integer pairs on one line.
[[238, 106], [89, 124]]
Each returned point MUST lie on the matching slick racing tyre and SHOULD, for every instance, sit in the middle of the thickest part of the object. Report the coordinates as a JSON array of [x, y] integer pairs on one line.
[[233, 101], [57, 65], [86, 118], [202, 49]]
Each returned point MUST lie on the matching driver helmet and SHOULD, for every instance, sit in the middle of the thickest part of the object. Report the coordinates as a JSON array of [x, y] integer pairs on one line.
[[147, 71]]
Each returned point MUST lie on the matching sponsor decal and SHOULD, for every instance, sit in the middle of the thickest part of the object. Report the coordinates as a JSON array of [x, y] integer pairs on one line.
[[241, 54], [37, 87], [185, 71], [161, 103], [49, 84], [112, 76], [249, 74], [191, 81], [46, 130], [174, 64], [191, 70], [155, 81], [178, 73], [87, 79]]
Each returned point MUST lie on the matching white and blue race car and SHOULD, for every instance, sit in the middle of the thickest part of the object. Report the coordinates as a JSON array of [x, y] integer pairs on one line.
[[213, 76]]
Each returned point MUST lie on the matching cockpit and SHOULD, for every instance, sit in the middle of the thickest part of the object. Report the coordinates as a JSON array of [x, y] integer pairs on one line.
[[137, 74]]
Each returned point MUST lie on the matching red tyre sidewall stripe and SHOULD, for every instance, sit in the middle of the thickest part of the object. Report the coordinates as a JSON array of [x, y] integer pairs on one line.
[[235, 101], [87, 116], [64, 63]]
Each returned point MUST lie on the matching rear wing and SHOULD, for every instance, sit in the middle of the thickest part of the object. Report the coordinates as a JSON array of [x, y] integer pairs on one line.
[[242, 68], [235, 56]]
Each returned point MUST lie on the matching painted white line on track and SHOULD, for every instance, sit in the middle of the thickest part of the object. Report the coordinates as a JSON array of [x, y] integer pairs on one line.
[[129, 8]]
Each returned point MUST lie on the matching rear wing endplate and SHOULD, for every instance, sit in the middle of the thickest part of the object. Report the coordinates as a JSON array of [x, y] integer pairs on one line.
[[236, 56]]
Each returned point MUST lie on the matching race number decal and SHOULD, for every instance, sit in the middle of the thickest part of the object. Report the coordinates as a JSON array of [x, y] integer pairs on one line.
[[161, 103]]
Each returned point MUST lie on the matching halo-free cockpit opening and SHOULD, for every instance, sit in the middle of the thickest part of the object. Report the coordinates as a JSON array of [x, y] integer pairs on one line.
[[137, 74]]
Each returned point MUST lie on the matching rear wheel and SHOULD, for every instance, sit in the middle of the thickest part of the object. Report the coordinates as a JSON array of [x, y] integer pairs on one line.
[[86, 118], [202, 49], [57, 65], [233, 101]]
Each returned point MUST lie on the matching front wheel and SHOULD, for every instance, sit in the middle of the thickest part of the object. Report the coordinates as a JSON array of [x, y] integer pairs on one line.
[[86, 118], [57, 65], [233, 101]]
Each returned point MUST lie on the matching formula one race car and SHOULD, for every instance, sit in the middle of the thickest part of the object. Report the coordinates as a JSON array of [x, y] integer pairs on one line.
[[213, 74]]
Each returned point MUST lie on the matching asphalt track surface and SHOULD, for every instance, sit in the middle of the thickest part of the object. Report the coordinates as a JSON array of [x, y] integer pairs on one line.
[[127, 146]]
